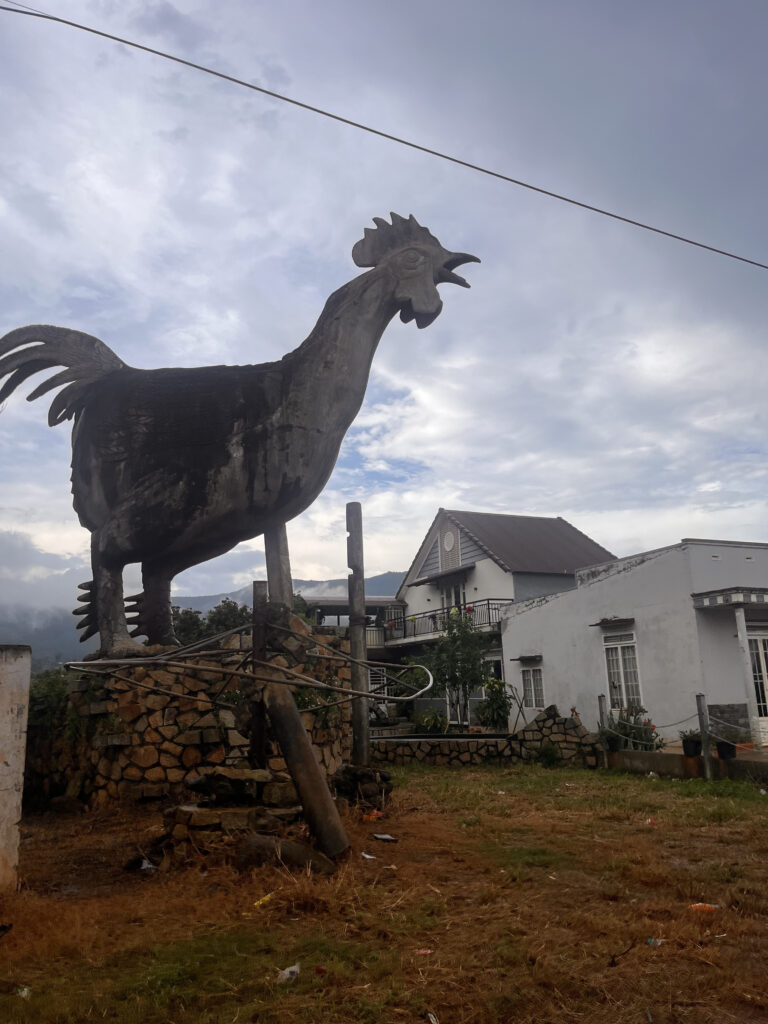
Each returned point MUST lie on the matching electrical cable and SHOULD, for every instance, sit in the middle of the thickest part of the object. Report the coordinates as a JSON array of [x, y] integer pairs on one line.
[[30, 12]]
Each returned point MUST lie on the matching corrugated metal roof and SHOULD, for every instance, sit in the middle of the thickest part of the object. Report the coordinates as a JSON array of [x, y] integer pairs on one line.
[[531, 543]]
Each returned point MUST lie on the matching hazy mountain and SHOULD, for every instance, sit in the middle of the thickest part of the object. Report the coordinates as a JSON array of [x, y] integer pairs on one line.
[[383, 585], [53, 638]]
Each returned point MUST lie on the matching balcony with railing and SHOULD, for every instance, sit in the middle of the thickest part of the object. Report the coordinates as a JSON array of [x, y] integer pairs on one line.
[[485, 614]]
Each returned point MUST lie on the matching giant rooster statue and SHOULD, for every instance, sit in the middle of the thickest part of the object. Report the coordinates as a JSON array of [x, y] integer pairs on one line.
[[172, 467]]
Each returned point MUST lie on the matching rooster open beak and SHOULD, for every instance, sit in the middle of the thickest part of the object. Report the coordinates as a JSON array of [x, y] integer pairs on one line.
[[446, 275]]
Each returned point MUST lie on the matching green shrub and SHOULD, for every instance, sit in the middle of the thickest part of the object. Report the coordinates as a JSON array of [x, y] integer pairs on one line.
[[493, 712], [431, 721], [548, 755]]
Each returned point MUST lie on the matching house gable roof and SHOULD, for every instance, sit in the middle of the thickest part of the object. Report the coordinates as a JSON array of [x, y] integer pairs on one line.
[[535, 544], [531, 543]]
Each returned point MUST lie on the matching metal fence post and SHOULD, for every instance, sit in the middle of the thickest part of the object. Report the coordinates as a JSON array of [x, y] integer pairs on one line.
[[706, 744]]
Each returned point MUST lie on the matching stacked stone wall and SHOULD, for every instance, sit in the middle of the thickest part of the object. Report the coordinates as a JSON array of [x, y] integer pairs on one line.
[[140, 733], [570, 740]]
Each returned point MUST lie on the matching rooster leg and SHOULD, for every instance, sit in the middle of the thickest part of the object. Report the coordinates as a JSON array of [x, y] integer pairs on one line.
[[107, 598], [156, 615]]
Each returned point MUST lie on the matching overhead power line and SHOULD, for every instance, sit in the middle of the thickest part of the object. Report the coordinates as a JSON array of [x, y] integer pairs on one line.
[[33, 13]]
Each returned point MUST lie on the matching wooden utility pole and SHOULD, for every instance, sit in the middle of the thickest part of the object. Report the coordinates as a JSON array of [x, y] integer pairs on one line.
[[257, 739], [316, 800], [361, 732]]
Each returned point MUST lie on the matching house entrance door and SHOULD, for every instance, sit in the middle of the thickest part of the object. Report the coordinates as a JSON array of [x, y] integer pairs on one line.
[[758, 654]]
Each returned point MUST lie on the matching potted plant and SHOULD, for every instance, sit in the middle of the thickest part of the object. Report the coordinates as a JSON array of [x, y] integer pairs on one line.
[[726, 744], [609, 738], [691, 742]]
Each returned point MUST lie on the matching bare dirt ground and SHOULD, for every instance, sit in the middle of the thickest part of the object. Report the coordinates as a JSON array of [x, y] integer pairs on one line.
[[511, 895]]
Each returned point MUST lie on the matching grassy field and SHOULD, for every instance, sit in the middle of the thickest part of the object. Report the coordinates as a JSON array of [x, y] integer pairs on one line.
[[524, 894]]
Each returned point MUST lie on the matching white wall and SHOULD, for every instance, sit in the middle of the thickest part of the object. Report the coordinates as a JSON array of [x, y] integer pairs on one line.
[[716, 565], [723, 678], [654, 590]]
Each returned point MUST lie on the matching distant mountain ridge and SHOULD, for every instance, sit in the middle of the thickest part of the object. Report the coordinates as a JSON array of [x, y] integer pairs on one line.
[[52, 635], [385, 584]]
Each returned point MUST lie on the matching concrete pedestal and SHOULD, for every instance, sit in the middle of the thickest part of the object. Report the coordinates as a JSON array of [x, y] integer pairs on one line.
[[15, 663]]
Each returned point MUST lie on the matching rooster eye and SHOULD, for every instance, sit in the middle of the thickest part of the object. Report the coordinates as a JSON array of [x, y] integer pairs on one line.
[[411, 257]]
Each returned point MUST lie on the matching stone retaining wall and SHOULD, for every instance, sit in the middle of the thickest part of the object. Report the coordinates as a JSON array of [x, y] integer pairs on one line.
[[570, 740], [141, 732]]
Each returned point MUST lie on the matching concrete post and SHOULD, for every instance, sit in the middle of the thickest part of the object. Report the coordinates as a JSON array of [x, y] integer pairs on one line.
[[601, 712], [361, 730], [15, 667], [706, 741]]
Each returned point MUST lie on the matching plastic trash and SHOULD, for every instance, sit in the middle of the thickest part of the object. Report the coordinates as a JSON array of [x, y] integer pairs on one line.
[[321, 970], [650, 821], [263, 899], [703, 908], [289, 974], [367, 856], [372, 816], [384, 837], [654, 942], [431, 1018], [147, 865], [424, 952], [23, 992]]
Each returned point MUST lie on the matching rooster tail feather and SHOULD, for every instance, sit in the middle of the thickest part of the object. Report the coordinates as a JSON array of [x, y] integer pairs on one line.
[[85, 359]]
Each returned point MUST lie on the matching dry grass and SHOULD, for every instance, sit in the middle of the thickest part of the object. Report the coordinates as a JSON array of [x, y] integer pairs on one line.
[[534, 891]]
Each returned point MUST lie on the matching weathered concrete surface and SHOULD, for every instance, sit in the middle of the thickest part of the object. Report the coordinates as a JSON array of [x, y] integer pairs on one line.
[[171, 467], [15, 662]]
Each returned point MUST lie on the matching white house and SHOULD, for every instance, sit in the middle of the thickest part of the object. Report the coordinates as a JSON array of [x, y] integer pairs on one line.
[[478, 563], [653, 629]]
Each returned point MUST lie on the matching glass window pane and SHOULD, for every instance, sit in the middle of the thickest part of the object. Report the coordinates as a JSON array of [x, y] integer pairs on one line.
[[538, 688], [631, 681], [614, 677], [527, 689]]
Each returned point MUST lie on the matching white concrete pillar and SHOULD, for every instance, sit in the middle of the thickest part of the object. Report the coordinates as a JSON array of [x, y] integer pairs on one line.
[[15, 665]]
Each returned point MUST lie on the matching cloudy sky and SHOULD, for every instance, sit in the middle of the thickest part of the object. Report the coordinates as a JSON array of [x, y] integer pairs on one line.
[[594, 371]]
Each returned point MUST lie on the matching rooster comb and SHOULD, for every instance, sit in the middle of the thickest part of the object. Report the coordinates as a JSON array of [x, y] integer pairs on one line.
[[386, 238]]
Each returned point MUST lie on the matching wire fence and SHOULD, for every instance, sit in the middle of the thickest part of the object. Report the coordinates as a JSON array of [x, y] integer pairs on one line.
[[202, 652], [645, 735]]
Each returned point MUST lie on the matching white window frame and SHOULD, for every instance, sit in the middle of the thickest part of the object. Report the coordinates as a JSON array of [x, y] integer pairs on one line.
[[622, 670], [378, 681], [533, 686]]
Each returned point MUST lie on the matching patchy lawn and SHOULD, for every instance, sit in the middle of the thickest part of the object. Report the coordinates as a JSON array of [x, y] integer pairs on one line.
[[513, 894]]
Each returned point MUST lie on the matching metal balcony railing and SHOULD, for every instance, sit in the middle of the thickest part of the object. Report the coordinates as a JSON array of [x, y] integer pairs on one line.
[[485, 614]]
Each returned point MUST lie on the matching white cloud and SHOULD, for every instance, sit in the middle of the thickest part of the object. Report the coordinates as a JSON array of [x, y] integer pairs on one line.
[[593, 371]]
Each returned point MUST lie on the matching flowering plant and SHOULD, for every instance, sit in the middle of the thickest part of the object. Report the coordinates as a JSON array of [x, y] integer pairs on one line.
[[635, 729]]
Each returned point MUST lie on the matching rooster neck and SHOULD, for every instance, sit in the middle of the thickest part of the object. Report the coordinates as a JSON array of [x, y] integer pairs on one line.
[[329, 370]]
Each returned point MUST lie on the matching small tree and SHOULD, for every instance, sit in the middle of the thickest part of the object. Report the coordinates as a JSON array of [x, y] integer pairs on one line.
[[191, 626], [493, 712], [458, 663], [188, 625], [226, 615]]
